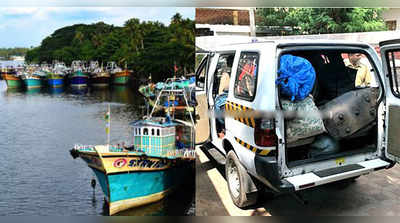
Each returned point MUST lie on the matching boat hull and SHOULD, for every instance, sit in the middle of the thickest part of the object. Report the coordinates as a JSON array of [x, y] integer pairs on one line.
[[33, 83], [79, 81], [56, 82], [129, 190], [12, 81], [100, 81], [121, 78]]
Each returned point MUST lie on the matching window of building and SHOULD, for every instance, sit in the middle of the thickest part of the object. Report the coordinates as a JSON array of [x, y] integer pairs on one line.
[[391, 25]]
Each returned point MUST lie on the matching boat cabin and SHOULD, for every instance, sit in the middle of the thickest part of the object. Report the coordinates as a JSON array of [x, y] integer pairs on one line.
[[154, 137]]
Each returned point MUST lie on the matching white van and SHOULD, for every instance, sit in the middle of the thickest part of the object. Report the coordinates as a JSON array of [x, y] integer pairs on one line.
[[262, 146]]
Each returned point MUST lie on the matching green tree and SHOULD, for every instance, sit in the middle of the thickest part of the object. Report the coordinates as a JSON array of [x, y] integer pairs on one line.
[[321, 20]]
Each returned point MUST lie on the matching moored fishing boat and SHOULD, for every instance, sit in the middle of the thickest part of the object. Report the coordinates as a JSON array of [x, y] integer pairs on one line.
[[100, 78], [11, 78], [150, 91], [55, 77], [161, 156], [79, 78], [55, 80], [32, 80], [119, 76]]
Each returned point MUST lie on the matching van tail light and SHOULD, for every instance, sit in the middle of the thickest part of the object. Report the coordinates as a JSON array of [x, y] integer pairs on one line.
[[264, 132]]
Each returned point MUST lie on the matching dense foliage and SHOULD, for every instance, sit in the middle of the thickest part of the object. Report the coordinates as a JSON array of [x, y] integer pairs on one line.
[[322, 20], [6, 53], [144, 47]]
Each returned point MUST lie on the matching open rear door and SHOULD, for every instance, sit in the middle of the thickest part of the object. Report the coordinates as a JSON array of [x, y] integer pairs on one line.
[[390, 53], [202, 126]]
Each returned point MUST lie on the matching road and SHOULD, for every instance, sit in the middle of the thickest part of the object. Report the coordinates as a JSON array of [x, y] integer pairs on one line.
[[375, 194]]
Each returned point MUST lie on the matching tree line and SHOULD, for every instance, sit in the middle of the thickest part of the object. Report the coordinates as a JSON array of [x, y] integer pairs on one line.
[[145, 47], [6, 53], [321, 20]]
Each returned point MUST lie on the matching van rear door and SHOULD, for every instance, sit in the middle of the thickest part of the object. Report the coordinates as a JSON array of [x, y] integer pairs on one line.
[[202, 120], [390, 53]]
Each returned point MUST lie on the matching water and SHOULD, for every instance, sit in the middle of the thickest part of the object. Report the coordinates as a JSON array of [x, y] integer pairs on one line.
[[38, 127]]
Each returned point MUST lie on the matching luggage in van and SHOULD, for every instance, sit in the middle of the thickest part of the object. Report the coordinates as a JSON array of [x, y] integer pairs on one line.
[[302, 127], [350, 112]]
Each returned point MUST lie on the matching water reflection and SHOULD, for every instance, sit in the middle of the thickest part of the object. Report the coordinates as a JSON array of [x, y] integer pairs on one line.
[[57, 90], [118, 94]]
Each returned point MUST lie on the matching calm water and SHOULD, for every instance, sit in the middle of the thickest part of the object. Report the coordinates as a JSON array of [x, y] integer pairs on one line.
[[37, 128]]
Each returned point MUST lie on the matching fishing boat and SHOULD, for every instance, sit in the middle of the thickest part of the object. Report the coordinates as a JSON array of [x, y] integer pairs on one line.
[[55, 80], [155, 164], [79, 78], [11, 78], [55, 77], [32, 80], [99, 77], [120, 77], [151, 90]]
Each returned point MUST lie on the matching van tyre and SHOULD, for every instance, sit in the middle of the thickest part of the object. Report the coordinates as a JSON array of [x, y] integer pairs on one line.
[[241, 186]]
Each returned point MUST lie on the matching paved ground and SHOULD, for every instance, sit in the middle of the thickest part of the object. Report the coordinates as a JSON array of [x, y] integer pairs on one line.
[[376, 194]]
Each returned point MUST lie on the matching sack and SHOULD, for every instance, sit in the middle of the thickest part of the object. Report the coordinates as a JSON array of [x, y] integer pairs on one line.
[[296, 77], [302, 127]]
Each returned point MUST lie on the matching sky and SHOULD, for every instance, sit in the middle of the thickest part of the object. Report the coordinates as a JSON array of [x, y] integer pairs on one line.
[[28, 26]]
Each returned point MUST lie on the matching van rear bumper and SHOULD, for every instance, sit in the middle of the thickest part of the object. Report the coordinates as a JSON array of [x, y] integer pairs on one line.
[[267, 168], [316, 178]]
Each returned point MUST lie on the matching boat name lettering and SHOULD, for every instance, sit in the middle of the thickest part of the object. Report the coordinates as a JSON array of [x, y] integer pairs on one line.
[[146, 163]]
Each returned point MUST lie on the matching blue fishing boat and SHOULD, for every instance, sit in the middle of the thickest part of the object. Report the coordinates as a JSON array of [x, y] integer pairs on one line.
[[55, 80], [161, 155], [79, 78]]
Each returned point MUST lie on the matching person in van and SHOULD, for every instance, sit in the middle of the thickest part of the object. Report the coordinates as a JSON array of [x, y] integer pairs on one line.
[[222, 95], [363, 77]]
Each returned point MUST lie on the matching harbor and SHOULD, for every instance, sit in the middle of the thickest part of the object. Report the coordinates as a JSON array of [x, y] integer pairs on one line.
[[39, 176]]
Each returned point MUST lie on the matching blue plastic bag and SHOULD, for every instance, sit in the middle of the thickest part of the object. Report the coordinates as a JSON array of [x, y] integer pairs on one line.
[[296, 77]]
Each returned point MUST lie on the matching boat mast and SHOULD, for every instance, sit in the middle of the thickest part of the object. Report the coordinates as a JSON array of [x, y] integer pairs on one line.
[[108, 124]]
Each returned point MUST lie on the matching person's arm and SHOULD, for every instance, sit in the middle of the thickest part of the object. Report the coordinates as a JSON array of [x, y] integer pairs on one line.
[[360, 77], [224, 83], [367, 77]]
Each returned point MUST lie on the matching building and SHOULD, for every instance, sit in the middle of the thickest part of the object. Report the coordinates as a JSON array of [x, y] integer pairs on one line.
[[392, 18], [224, 21]]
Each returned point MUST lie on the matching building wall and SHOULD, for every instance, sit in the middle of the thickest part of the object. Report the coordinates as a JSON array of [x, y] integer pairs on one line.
[[222, 16], [392, 14]]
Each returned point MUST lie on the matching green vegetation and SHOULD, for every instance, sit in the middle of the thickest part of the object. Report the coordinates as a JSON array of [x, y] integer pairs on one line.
[[322, 20], [145, 47], [6, 53]]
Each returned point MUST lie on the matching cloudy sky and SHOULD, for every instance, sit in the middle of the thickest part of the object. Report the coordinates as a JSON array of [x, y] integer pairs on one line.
[[25, 27]]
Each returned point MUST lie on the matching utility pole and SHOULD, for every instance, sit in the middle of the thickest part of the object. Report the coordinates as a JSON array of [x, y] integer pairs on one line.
[[252, 22]]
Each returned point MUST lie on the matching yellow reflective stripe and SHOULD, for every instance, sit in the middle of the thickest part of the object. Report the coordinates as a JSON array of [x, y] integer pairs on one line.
[[253, 123], [248, 146], [264, 152]]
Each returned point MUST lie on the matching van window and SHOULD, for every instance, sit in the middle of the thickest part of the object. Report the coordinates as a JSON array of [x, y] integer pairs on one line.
[[246, 76], [393, 62], [222, 74], [201, 70]]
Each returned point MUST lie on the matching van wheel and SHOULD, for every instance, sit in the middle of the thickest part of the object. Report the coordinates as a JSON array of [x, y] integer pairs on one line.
[[238, 179]]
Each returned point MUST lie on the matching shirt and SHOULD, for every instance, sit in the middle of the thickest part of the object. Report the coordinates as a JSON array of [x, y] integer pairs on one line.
[[363, 77]]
